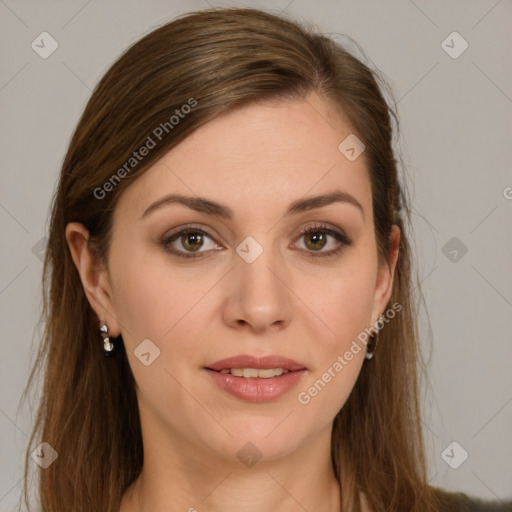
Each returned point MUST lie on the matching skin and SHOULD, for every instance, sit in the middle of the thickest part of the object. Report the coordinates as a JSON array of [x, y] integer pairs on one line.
[[256, 160]]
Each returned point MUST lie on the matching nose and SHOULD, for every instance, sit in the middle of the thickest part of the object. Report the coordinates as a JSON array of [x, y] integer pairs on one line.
[[259, 295]]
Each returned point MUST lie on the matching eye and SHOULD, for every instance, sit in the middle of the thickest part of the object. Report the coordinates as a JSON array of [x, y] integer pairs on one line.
[[316, 238], [189, 239]]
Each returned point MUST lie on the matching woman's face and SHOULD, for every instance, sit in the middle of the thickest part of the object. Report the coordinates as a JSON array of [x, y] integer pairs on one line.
[[245, 282]]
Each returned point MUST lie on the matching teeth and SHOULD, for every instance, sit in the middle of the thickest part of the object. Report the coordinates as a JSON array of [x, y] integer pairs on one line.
[[251, 373]]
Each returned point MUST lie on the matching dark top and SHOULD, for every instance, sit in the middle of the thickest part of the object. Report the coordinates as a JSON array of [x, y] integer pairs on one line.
[[460, 502]]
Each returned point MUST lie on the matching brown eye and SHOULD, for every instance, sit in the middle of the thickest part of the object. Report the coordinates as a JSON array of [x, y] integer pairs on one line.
[[191, 240], [315, 240], [188, 241]]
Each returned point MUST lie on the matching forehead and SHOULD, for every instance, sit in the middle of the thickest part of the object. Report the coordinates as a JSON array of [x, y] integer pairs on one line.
[[257, 157]]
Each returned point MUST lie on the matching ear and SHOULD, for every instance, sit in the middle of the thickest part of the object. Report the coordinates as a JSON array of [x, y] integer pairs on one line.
[[384, 285], [94, 276]]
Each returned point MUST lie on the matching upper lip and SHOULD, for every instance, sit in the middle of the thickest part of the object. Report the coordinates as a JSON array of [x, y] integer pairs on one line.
[[248, 361]]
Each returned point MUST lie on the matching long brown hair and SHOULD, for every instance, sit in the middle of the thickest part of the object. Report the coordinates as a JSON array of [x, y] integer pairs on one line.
[[214, 60]]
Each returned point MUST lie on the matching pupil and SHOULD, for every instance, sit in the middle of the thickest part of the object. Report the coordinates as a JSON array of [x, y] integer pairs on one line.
[[317, 238], [196, 240]]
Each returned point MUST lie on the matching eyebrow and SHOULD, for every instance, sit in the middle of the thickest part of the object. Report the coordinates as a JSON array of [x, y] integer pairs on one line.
[[209, 207]]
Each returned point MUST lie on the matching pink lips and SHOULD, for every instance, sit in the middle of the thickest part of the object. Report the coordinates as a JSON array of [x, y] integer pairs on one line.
[[256, 389], [245, 361]]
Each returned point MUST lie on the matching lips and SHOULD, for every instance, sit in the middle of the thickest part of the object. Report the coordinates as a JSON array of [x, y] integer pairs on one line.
[[256, 389], [247, 361]]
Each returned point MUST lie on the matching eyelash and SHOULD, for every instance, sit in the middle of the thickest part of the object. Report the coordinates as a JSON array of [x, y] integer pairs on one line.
[[317, 228]]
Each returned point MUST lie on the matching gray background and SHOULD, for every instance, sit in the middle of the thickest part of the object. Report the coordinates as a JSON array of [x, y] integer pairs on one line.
[[455, 116]]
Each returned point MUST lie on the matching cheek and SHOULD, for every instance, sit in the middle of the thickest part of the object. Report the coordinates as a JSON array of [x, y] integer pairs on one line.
[[153, 299], [344, 306], [167, 305], [341, 300], [338, 357]]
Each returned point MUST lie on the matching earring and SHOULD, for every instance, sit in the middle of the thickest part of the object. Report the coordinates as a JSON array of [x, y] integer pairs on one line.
[[370, 347], [108, 346]]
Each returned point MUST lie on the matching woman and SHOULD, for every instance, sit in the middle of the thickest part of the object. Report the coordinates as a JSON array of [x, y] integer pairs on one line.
[[229, 228]]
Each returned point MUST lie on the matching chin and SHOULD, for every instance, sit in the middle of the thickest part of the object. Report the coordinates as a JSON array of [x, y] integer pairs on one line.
[[266, 440]]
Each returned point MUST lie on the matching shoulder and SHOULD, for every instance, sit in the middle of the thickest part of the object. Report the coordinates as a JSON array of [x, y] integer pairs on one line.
[[460, 502]]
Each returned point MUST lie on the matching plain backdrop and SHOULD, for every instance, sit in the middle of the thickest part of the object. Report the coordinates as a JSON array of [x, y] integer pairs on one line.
[[455, 108]]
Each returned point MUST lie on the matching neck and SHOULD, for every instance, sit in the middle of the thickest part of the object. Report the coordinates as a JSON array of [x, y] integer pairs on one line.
[[178, 477]]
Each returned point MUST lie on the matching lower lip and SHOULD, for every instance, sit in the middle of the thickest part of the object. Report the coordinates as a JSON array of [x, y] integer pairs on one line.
[[257, 389]]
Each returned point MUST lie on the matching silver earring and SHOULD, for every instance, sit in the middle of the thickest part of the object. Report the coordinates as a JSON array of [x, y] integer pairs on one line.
[[108, 346], [370, 347]]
